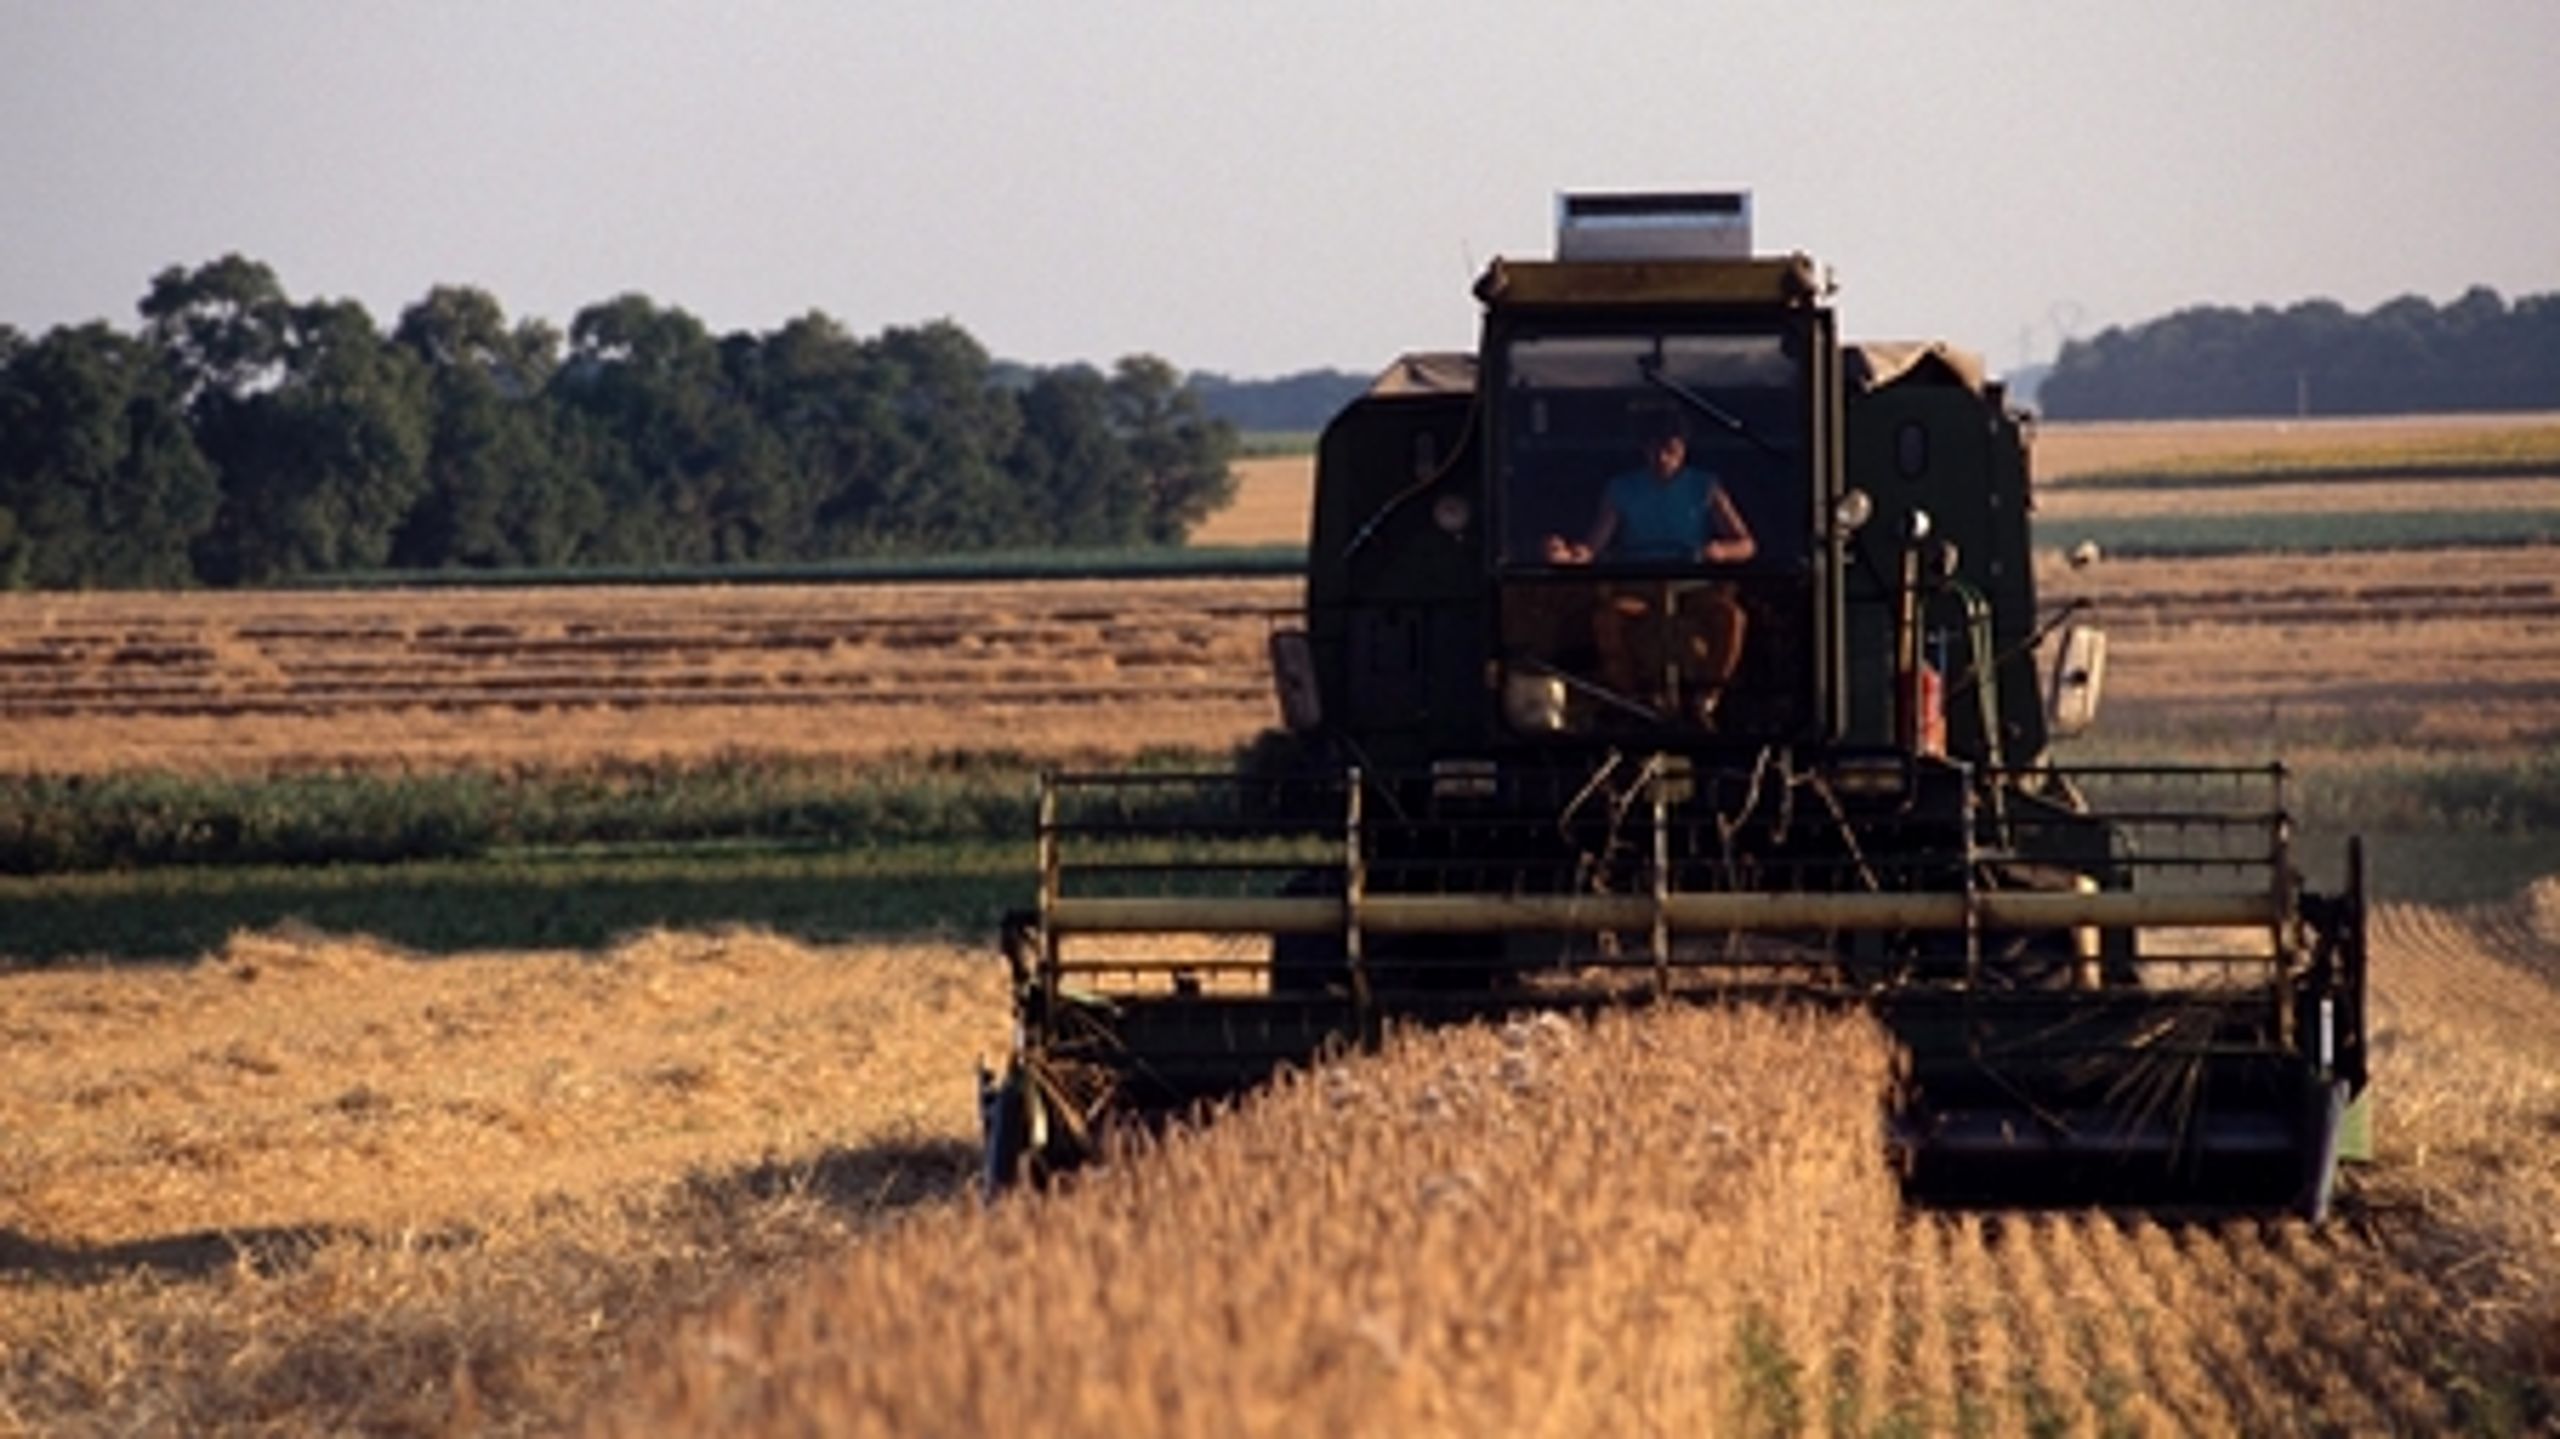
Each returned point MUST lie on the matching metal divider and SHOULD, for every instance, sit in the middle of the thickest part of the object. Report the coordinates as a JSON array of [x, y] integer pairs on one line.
[[1230, 857], [1355, 893]]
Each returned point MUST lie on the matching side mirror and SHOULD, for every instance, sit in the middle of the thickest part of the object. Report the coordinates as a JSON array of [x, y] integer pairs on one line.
[[1293, 674], [2079, 671]]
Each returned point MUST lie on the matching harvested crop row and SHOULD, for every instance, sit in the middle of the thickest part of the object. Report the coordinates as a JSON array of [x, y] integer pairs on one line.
[[441, 679], [2467, 1052], [1545, 1228], [2459, 645], [1675, 1222]]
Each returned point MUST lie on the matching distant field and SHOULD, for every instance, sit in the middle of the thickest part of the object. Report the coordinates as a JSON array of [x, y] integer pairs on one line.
[[1274, 495], [2194, 487], [2456, 641], [2410, 689], [2066, 451], [504, 678]]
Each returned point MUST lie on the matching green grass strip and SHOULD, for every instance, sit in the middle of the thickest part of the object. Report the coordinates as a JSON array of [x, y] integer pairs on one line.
[[68, 824], [1269, 444], [2184, 536], [984, 567], [2181, 477], [451, 906]]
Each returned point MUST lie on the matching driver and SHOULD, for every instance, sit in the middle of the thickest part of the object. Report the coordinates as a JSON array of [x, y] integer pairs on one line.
[[1663, 511]]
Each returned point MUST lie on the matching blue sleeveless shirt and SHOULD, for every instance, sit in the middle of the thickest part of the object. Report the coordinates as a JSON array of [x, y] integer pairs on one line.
[[1661, 519]]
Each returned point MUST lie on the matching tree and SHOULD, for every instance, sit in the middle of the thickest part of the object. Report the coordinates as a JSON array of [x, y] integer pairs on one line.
[[2406, 355], [244, 436], [1182, 454], [320, 471], [224, 328], [956, 427], [498, 491], [827, 401], [641, 390], [1302, 401], [316, 424], [1072, 461], [101, 482]]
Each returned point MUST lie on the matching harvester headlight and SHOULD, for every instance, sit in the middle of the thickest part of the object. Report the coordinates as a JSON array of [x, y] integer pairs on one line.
[[1451, 513], [1533, 702], [1852, 511], [1919, 526]]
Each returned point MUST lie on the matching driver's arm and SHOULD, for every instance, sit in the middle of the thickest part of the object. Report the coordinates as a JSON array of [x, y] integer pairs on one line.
[[1604, 528], [1732, 542]]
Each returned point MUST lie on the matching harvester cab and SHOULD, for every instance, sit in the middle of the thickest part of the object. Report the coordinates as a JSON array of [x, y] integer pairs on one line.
[[1667, 647]]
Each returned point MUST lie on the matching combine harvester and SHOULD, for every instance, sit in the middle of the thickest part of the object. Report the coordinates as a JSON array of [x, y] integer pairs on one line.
[[1668, 648]]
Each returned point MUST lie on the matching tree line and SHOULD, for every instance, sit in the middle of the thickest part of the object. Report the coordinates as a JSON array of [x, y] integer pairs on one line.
[[240, 436], [1295, 403], [2316, 358]]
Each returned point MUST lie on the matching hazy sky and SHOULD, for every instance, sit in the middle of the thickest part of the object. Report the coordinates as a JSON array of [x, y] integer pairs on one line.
[[1267, 187]]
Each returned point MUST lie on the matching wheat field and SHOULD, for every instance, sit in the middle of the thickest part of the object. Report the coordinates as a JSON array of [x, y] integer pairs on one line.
[[2462, 644], [2071, 450], [1653, 1225], [720, 1183], [310, 1184], [434, 679], [723, 1181]]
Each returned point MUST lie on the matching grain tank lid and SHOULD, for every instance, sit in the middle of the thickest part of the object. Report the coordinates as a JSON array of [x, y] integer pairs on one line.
[[1873, 365], [1427, 372], [1786, 280]]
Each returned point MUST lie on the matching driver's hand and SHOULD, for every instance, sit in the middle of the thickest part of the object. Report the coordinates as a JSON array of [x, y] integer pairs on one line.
[[1561, 551]]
